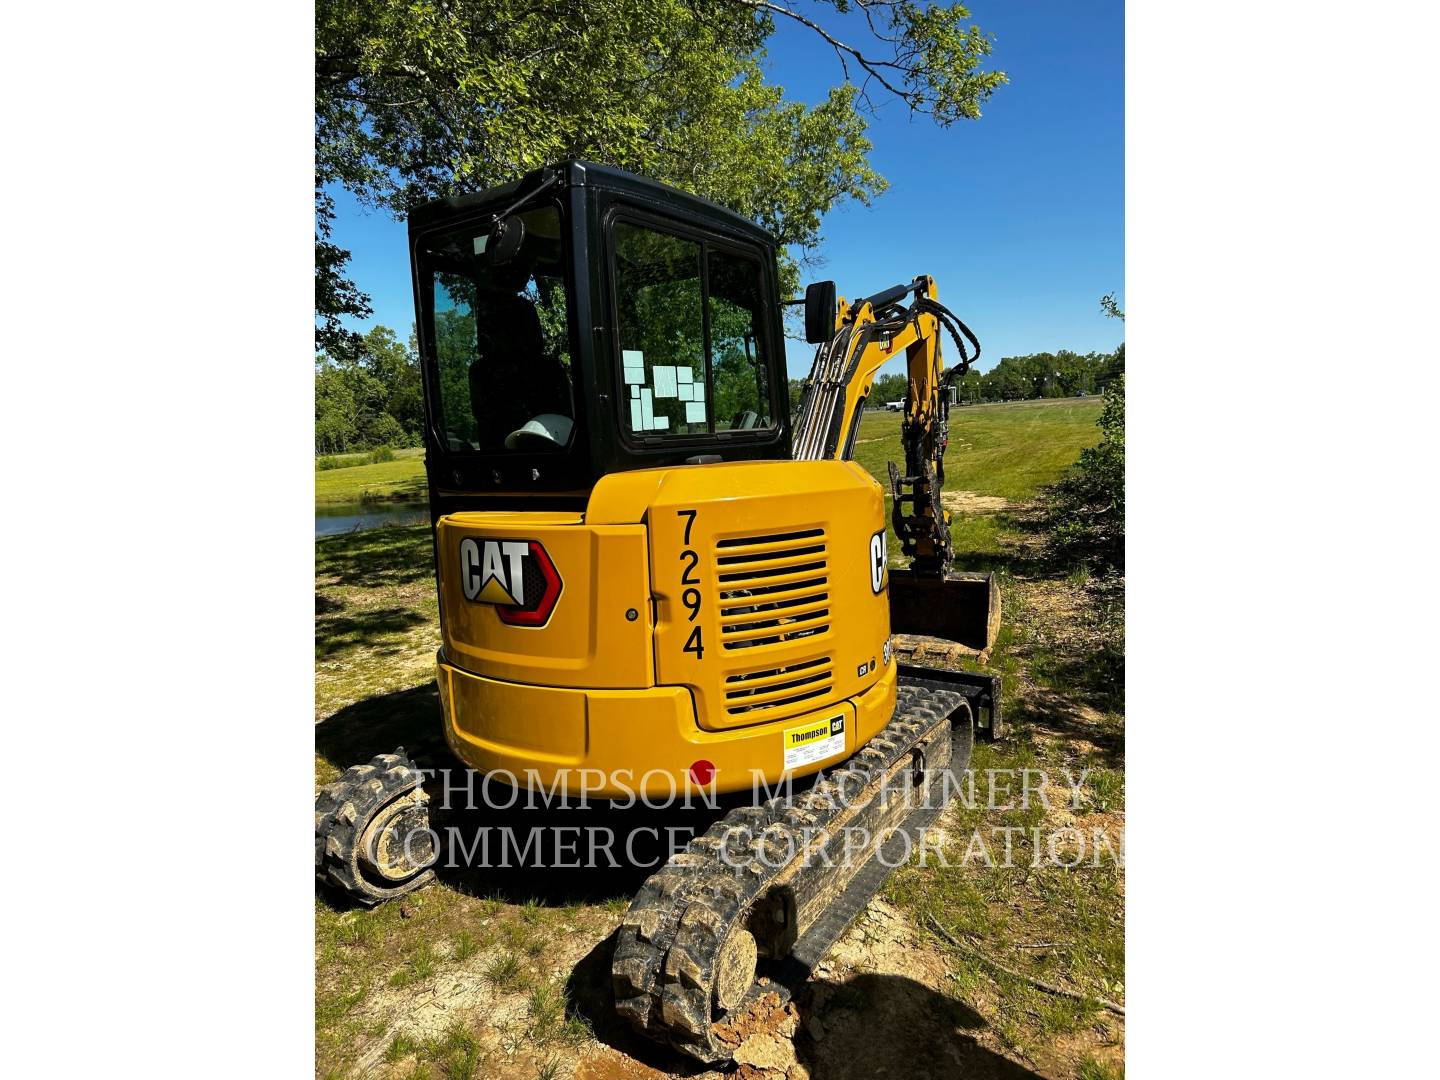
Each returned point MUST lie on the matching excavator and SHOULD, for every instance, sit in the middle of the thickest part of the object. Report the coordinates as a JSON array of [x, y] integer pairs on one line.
[[652, 578]]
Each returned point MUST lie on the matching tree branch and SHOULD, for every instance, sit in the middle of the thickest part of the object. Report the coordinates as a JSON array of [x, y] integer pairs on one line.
[[872, 66], [1049, 988]]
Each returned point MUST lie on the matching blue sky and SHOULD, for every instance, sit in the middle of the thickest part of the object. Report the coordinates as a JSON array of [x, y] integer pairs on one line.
[[1019, 215]]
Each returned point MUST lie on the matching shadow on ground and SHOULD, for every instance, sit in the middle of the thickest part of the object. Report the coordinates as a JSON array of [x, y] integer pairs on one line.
[[502, 842], [377, 725], [867, 1026], [1049, 711], [393, 556], [370, 629]]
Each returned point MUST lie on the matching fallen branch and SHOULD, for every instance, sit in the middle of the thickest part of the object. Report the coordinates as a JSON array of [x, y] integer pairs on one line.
[[1049, 988]]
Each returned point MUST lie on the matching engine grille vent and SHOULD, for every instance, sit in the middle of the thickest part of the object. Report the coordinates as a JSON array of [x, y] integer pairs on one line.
[[773, 588], [760, 695]]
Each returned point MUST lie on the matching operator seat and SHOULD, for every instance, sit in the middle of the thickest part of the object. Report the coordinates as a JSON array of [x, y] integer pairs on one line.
[[513, 380]]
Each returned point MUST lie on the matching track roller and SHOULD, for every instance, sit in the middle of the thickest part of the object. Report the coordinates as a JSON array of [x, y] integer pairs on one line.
[[362, 824]]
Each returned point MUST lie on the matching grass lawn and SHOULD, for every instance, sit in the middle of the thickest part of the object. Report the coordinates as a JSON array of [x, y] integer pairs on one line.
[[401, 480], [1009, 450], [1003, 454], [508, 978]]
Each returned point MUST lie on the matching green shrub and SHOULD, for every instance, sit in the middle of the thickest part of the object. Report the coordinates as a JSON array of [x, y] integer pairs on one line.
[[381, 453], [328, 462], [1086, 508], [382, 430]]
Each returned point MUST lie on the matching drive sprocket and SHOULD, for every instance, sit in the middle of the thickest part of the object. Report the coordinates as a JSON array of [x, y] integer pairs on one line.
[[372, 836]]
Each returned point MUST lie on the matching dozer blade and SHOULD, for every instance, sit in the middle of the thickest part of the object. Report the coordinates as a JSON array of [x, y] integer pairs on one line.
[[960, 607]]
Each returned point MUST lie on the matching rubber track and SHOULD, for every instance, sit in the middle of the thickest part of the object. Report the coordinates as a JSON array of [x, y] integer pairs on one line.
[[663, 972], [342, 811]]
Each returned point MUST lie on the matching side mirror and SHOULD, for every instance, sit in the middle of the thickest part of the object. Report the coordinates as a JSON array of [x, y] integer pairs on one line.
[[506, 236], [820, 311]]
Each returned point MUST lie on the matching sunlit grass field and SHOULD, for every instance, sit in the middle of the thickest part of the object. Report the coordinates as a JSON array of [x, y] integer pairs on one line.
[[1009, 450], [1003, 452], [357, 481]]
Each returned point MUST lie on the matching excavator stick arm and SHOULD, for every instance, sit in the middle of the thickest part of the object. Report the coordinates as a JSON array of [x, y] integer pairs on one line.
[[928, 599]]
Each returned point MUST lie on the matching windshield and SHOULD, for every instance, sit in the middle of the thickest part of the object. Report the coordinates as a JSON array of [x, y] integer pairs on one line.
[[501, 339]]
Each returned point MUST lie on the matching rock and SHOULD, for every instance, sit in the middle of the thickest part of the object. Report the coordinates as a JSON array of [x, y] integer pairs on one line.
[[789, 1022], [798, 1072], [816, 1027], [766, 1051]]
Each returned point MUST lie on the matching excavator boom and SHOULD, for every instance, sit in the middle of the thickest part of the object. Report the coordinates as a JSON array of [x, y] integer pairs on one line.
[[928, 599]]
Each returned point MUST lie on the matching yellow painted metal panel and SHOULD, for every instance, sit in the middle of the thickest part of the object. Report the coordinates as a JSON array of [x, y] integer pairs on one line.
[[587, 639], [618, 743], [760, 566]]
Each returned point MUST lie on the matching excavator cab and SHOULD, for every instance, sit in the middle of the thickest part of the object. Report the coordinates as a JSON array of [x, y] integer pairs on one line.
[[583, 322]]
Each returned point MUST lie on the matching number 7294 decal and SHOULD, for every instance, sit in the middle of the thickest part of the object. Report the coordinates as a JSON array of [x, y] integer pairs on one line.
[[690, 597]]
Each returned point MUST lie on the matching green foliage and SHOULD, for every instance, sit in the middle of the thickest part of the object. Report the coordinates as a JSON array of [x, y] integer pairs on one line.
[[367, 396], [1044, 375], [1022, 378], [335, 295], [380, 454], [889, 387], [415, 99], [971, 387], [1087, 507]]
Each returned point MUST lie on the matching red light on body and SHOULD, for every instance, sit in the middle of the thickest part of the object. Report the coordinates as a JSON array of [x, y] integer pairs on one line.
[[702, 772]]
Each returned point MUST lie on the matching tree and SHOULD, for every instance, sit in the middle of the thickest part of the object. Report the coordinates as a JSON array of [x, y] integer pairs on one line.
[[889, 387], [969, 386], [397, 369], [797, 395], [1086, 508], [335, 428], [335, 295], [415, 99], [368, 394]]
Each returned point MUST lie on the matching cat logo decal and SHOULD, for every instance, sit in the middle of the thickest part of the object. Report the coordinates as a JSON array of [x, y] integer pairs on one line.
[[516, 576]]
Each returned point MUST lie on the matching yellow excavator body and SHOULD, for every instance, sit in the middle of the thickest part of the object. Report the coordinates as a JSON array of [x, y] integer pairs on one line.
[[706, 623]]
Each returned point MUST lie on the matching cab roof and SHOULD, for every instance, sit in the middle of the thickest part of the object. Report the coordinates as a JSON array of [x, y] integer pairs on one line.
[[573, 173]]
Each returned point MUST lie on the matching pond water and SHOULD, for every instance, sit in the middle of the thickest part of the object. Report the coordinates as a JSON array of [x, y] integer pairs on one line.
[[333, 520]]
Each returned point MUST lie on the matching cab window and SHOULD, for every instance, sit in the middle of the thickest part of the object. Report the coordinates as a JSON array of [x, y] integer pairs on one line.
[[501, 340], [690, 356]]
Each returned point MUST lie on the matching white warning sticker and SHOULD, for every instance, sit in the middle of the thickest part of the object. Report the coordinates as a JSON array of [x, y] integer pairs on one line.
[[665, 384], [816, 741], [634, 363]]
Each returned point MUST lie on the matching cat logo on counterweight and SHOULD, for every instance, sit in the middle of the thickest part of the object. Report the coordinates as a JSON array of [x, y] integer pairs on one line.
[[516, 576]]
